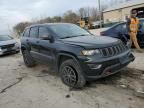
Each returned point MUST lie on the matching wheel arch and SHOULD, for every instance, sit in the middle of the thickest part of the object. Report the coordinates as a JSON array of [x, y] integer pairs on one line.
[[64, 56], [23, 47]]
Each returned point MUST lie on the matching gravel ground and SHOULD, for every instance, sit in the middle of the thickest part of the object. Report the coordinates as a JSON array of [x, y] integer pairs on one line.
[[40, 87]]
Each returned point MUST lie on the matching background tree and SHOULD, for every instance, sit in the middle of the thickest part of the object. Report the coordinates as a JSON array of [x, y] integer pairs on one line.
[[19, 28], [70, 17], [94, 14], [81, 12]]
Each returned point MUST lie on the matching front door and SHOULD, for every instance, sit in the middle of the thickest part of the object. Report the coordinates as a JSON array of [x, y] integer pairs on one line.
[[45, 46]]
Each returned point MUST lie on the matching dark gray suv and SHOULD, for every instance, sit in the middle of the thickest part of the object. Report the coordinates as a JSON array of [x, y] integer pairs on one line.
[[75, 53]]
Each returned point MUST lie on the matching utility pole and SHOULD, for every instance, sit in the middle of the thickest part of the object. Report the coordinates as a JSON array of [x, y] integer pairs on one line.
[[100, 14]]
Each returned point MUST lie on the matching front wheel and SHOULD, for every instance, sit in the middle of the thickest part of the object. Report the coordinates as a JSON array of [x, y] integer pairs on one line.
[[71, 74]]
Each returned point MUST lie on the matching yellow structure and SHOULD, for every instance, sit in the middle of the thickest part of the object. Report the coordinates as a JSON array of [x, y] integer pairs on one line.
[[85, 23], [82, 24]]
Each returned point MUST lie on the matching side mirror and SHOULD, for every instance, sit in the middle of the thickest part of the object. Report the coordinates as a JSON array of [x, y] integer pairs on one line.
[[47, 37]]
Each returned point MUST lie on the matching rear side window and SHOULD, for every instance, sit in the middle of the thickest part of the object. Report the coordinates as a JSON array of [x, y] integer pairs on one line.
[[34, 32], [26, 33], [43, 31]]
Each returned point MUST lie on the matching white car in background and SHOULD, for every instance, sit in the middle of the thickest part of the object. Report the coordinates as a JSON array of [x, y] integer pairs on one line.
[[8, 45]]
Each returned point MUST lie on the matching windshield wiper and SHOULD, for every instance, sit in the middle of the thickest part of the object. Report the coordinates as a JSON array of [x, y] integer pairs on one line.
[[68, 37], [74, 36], [83, 35]]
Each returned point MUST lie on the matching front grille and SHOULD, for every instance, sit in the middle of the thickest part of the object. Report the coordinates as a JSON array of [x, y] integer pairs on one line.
[[7, 46], [113, 50]]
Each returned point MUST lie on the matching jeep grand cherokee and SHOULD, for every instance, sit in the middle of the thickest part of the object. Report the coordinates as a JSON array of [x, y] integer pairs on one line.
[[75, 53]]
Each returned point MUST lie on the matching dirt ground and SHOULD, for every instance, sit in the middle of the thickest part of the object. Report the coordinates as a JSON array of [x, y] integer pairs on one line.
[[39, 87]]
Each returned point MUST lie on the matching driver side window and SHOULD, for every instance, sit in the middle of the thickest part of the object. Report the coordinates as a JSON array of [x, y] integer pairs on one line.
[[43, 31], [34, 32]]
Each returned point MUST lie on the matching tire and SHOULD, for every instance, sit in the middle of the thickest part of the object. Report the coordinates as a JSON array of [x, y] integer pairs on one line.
[[71, 74], [28, 60]]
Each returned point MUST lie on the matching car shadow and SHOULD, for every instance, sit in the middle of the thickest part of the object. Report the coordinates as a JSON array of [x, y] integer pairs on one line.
[[124, 79], [9, 54], [121, 79]]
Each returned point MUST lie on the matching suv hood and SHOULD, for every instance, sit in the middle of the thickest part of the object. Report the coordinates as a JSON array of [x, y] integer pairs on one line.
[[91, 41], [7, 42]]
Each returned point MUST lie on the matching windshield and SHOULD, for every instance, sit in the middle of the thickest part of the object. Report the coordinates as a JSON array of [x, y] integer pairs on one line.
[[5, 37], [68, 30]]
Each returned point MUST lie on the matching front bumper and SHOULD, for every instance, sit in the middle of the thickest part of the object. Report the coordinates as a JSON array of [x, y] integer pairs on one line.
[[15, 49], [105, 66]]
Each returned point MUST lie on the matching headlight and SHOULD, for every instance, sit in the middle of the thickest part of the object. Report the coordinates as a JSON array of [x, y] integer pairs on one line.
[[0, 49], [17, 44], [90, 52]]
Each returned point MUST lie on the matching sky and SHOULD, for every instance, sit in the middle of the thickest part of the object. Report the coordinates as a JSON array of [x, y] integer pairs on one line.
[[15, 11]]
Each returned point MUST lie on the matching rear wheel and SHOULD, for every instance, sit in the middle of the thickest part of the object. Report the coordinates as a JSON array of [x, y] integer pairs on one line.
[[28, 60], [71, 74]]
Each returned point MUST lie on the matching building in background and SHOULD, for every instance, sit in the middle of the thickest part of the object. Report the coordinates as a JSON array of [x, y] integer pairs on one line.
[[121, 12]]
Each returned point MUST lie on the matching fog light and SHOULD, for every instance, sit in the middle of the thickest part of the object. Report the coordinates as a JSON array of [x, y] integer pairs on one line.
[[1, 52], [95, 66]]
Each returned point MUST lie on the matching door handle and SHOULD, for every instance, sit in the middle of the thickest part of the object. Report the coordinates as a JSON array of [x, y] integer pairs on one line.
[[37, 41]]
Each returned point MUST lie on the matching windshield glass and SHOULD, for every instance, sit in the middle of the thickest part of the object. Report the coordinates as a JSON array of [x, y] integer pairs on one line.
[[68, 30], [5, 37]]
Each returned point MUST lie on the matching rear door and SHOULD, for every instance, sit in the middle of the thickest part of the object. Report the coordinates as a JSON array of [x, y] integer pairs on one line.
[[33, 42], [25, 38]]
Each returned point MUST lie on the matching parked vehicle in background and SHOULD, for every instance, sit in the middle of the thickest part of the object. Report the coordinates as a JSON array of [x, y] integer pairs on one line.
[[140, 12], [97, 24], [75, 53], [8, 45], [120, 31]]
